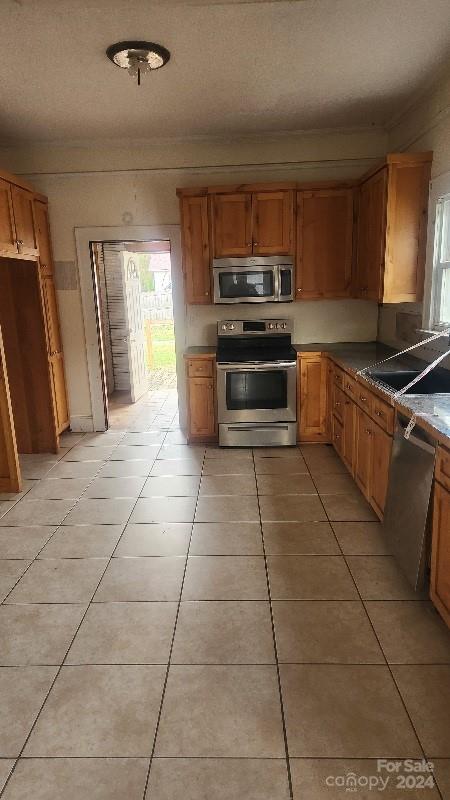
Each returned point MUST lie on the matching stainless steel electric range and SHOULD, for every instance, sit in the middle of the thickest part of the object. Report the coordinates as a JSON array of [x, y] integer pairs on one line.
[[256, 383]]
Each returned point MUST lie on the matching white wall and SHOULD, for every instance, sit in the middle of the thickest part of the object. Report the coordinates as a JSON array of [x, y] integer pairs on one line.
[[110, 184], [425, 126]]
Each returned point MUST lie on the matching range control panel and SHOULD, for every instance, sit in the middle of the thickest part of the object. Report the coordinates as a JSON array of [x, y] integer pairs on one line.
[[259, 327]]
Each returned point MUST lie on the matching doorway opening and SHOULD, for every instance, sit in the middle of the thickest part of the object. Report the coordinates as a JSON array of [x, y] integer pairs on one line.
[[135, 321]]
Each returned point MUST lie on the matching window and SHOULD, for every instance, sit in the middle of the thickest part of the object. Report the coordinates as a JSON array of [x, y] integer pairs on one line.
[[440, 311]]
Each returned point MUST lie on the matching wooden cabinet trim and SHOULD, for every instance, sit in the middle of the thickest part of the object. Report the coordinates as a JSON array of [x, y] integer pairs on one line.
[[8, 243], [440, 552], [442, 472]]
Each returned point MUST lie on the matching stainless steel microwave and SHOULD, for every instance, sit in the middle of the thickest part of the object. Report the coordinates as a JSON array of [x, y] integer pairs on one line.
[[257, 279]]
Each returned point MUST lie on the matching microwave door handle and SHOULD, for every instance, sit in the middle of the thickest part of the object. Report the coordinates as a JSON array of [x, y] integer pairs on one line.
[[277, 282]]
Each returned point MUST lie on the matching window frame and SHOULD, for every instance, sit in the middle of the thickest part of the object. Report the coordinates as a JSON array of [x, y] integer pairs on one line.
[[439, 267], [439, 191]]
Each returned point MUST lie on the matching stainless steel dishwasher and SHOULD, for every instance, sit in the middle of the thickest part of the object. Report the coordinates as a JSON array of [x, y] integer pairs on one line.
[[408, 501]]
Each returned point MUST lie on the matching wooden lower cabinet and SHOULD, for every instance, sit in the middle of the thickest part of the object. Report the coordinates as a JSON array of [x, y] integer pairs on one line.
[[312, 397], [440, 552], [381, 446], [363, 451], [201, 400], [337, 435], [372, 456], [348, 435]]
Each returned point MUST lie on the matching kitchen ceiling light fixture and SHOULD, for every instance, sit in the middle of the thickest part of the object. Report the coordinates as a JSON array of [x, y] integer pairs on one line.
[[139, 58]]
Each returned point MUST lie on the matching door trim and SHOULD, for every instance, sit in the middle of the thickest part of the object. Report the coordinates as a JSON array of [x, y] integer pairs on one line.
[[143, 233]]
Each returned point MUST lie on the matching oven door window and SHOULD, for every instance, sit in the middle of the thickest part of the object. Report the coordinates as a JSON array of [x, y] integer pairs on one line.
[[247, 284], [256, 390]]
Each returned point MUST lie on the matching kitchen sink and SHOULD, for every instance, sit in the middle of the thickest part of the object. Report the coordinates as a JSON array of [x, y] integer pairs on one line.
[[435, 382]]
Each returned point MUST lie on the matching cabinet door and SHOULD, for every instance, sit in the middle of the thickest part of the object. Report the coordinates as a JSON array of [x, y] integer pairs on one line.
[[440, 552], [379, 470], [363, 451], [55, 354], [406, 232], [329, 411], [348, 437], [196, 253], [43, 236], [8, 242], [324, 243], [201, 408], [10, 480], [312, 397], [24, 221], [338, 436], [371, 244], [232, 225], [272, 222]]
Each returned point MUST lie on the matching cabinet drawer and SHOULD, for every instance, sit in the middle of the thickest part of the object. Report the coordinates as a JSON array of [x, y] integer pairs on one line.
[[443, 467], [383, 415], [364, 399], [350, 386], [338, 403], [200, 368]]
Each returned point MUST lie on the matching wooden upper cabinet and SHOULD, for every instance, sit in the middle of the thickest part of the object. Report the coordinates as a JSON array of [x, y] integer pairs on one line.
[[232, 224], [196, 252], [272, 222], [42, 227], [371, 236], [391, 237], [324, 243], [253, 223], [8, 244], [22, 201], [407, 212]]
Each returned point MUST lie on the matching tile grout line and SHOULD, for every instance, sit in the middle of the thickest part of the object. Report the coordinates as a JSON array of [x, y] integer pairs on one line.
[[57, 528], [386, 663], [274, 639], [58, 671], [166, 677]]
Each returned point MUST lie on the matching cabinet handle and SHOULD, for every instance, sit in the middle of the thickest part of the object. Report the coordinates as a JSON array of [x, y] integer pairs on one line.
[[348, 386], [337, 403], [362, 398], [249, 244], [299, 290], [19, 241], [379, 414], [206, 294], [369, 432]]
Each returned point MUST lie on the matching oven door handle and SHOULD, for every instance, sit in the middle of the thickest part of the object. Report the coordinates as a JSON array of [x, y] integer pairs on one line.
[[267, 367]]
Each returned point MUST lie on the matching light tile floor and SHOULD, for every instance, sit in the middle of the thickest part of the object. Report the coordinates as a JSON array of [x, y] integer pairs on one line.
[[188, 623]]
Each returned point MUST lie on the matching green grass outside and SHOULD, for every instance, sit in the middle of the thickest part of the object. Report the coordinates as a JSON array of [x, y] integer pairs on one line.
[[162, 331], [163, 355], [163, 341]]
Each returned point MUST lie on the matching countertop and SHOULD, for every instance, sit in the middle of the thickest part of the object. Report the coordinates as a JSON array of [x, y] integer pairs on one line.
[[432, 411]]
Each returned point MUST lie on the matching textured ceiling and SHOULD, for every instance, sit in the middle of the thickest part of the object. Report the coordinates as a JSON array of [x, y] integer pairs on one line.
[[236, 67]]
